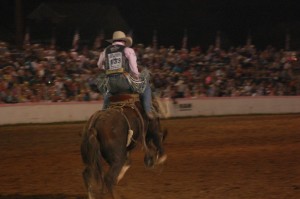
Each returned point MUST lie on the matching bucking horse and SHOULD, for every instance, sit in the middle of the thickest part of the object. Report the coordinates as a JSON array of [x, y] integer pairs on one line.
[[108, 138]]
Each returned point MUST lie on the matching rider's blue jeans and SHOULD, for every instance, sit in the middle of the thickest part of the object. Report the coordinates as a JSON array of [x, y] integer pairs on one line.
[[147, 98]]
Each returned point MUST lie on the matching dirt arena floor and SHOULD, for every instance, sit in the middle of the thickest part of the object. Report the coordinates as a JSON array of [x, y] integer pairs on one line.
[[233, 157]]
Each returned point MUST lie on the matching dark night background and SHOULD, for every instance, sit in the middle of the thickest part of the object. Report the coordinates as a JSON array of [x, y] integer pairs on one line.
[[266, 20]]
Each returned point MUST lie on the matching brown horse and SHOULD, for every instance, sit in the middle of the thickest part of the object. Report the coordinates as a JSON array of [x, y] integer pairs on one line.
[[108, 138]]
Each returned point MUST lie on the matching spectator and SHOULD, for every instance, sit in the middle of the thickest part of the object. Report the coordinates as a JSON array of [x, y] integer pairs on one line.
[[40, 73]]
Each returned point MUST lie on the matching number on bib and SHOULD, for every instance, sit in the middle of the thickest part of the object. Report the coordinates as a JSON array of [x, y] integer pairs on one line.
[[115, 60]]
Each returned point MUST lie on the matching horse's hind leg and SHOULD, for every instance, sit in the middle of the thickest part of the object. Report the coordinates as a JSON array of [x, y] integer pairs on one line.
[[87, 178], [124, 168], [114, 175]]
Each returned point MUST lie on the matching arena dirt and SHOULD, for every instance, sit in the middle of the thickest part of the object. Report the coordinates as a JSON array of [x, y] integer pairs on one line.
[[235, 157]]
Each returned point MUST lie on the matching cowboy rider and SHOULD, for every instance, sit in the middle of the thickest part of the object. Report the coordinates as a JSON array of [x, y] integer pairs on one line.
[[117, 59]]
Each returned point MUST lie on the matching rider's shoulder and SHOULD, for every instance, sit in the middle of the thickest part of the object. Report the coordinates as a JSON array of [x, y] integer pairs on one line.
[[129, 50]]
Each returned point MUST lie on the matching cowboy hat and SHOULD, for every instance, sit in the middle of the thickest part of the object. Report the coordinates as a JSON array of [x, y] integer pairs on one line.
[[120, 36]]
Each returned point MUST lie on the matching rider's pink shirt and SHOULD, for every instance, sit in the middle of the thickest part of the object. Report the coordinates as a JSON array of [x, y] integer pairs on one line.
[[130, 55]]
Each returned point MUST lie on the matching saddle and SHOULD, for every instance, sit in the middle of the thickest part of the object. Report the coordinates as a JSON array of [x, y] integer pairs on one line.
[[129, 100], [124, 98]]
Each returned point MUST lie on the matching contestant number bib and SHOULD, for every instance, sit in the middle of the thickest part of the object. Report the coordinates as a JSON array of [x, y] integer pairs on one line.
[[115, 60]]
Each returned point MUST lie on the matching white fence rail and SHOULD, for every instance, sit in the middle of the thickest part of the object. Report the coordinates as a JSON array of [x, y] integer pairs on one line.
[[206, 106]]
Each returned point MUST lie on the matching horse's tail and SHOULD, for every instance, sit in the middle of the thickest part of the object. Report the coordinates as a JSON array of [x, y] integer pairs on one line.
[[91, 155]]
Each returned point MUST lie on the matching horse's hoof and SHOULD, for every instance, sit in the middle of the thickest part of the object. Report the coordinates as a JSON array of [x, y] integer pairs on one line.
[[161, 159]]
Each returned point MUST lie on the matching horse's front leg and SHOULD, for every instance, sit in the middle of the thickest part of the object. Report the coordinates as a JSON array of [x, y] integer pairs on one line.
[[156, 153], [158, 142], [149, 159]]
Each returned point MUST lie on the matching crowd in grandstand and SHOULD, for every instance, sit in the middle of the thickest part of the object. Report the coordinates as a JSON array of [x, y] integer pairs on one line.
[[42, 73]]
